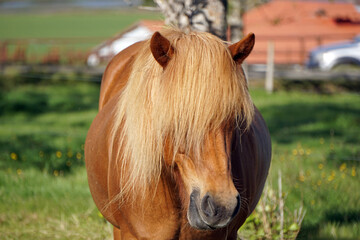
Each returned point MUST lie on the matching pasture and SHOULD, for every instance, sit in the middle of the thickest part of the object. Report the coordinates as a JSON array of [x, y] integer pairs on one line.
[[43, 124]]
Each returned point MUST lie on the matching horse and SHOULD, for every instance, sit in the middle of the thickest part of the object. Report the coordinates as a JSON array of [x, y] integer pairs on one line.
[[177, 150]]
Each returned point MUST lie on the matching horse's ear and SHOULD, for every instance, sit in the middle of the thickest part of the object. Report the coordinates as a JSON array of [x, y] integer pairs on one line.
[[240, 50], [161, 49]]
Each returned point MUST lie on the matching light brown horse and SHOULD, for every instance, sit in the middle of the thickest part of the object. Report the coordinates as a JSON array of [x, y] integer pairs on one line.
[[177, 150]]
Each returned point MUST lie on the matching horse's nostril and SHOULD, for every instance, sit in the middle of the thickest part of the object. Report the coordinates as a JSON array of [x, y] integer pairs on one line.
[[208, 206]]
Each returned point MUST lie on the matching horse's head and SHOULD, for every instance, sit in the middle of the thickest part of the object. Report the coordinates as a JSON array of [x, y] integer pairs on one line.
[[203, 172], [206, 185]]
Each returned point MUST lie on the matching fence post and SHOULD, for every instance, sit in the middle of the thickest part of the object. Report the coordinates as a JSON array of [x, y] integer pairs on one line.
[[269, 81]]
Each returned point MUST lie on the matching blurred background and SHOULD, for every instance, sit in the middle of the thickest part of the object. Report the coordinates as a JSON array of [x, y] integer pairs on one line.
[[303, 75]]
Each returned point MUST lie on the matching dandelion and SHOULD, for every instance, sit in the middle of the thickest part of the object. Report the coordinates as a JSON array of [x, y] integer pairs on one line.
[[301, 177], [70, 154], [353, 171], [58, 154], [19, 171], [321, 166], [78, 156], [332, 176], [308, 152], [319, 183], [68, 163], [14, 156], [56, 173], [294, 152], [332, 146], [301, 151], [342, 167]]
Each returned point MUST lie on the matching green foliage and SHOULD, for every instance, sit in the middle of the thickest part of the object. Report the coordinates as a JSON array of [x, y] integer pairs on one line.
[[45, 126]]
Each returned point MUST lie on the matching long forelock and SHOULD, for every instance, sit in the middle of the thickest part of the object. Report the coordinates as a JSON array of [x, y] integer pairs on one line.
[[198, 91]]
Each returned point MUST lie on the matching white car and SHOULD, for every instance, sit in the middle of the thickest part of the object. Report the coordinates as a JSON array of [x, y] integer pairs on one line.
[[330, 56]]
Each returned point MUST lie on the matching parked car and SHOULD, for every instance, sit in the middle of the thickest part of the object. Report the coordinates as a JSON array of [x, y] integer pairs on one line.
[[330, 56]]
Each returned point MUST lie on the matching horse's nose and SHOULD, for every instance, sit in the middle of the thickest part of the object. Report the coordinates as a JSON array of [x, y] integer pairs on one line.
[[215, 213]]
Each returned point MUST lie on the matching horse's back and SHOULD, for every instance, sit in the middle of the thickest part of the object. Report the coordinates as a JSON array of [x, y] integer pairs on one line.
[[250, 162]]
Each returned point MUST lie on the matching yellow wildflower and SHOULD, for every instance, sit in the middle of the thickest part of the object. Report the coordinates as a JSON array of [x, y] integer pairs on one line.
[[301, 151], [330, 178], [342, 167], [14, 156], [301, 177], [353, 171], [58, 154], [321, 166]]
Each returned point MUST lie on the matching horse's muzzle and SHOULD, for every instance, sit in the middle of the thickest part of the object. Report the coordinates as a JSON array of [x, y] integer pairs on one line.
[[207, 213]]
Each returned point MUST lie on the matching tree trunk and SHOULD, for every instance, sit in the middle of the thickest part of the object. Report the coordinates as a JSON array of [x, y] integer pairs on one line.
[[196, 15], [236, 19]]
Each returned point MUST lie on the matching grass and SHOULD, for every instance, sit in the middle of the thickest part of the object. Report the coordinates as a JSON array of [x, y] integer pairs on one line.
[[81, 23], [91, 27], [37, 205], [316, 146]]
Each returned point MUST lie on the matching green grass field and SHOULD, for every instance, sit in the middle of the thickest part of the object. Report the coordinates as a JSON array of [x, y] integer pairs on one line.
[[74, 32], [86, 23], [43, 124]]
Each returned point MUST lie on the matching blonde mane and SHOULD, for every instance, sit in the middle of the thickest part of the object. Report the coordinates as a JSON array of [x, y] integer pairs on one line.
[[200, 89]]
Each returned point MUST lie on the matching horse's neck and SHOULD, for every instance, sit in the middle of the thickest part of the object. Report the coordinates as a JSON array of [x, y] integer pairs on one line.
[[117, 73]]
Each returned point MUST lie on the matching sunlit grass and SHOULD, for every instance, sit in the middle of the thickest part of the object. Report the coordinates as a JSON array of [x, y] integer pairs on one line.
[[37, 205]]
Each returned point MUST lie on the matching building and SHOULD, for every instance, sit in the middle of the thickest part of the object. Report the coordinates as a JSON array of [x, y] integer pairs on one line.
[[108, 49], [296, 27]]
